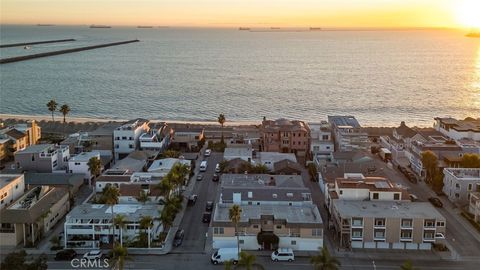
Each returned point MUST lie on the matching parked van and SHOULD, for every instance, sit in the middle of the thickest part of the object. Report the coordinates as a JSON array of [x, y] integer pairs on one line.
[[225, 254], [203, 166], [217, 168], [283, 254], [385, 154]]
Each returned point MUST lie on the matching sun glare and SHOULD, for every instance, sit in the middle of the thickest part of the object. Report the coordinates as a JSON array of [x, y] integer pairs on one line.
[[468, 13]]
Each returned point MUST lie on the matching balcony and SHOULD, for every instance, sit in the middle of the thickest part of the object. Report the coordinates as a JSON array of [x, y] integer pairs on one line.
[[357, 237]]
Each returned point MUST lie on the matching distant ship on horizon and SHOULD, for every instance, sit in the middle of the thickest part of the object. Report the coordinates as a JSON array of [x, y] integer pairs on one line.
[[244, 28], [144, 26], [44, 24], [315, 28], [100, 26]]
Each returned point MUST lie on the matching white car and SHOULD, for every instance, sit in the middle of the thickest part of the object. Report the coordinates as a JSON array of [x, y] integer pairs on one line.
[[217, 168], [208, 152], [283, 254], [93, 255]]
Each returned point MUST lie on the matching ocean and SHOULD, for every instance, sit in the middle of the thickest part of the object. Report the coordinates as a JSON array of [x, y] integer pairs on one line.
[[381, 77]]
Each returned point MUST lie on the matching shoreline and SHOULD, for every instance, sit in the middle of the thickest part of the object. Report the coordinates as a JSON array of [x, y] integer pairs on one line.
[[70, 119]]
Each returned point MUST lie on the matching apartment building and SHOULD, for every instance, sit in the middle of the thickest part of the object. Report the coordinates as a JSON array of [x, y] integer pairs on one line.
[[399, 141], [18, 137], [474, 205], [89, 225], [158, 138], [277, 206], [459, 183], [32, 215], [387, 224], [188, 137], [45, 158], [126, 138], [270, 158], [348, 134], [321, 144], [241, 151], [458, 129], [286, 136], [12, 186], [360, 188], [79, 163]]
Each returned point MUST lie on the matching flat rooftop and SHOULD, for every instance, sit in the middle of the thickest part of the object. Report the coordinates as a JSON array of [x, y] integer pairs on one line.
[[464, 173], [133, 212], [36, 148], [386, 209], [261, 180], [238, 151], [275, 156], [6, 179], [306, 214], [85, 156], [343, 120]]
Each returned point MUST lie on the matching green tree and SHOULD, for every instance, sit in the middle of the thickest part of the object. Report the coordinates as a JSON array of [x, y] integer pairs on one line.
[[164, 187], [55, 241], [143, 197], [324, 261], [65, 109], [146, 223], [171, 154], [14, 260], [223, 165], [221, 120], [234, 213], [94, 166], [52, 107], [430, 163], [247, 261], [470, 161], [121, 222], [408, 266], [120, 254], [110, 197]]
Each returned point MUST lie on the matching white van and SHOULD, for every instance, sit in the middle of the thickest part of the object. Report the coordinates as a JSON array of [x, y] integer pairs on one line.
[[203, 166], [225, 254], [283, 254], [217, 168]]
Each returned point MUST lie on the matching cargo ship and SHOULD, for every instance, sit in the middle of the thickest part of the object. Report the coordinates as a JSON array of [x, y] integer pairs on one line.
[[144, 26], [100, 26], [244, 28], [315, 29]]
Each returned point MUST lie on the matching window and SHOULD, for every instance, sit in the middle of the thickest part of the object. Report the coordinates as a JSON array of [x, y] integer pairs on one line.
[[357, 233], [428, 235], [406, 234], [328, 147], [317, 232], [130, 146], [255, 226], [375, 196], [440, 224], [380, 234], [357, 221], [218, 230], [406, 223], [341, 192], [380, 222], [77, 163], [279, 227], [396, 197], [429, 223], [293, 242], [241, 241], [16, 186], [470, 187], [124, 137], [131, 138]]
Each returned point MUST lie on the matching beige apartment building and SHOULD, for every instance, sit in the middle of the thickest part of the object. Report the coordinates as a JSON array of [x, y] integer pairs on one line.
[[387, 224], [286, 136], [18, 137]]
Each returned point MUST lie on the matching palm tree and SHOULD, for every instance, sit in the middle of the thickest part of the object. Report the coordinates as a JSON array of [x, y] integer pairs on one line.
[[247, 261], [221, 120], [65, 109], [143, 197], [164, 187], [121, 222], [324, 261], [94, 166], [408, 266], [146, 223], [234, 214], [120, 253], [52, 106], [110, 197]]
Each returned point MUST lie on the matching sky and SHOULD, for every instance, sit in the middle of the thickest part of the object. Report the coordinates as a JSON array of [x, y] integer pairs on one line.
[[248, 13]]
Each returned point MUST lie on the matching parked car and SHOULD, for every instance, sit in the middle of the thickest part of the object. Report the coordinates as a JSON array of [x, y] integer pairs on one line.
[[435, 201], [209, 206], [93, 255], [216, 177], [413, 198], [192, 199], [65, 255], [208, 152], [207, 216], [283, 254], [217, 168], [177, 241], [200, 177], [411, 177]]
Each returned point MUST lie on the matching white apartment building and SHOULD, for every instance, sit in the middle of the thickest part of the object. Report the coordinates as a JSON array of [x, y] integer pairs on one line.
[[79, 163], [458, 183], [158, 138], [270, 158], [126, 138], [12, 186], [474, 205], [321, 144], [43, 158], [89, 225], [458, 129]]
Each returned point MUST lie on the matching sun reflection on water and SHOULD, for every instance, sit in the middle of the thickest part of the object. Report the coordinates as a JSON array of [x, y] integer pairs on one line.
[[476, 81]]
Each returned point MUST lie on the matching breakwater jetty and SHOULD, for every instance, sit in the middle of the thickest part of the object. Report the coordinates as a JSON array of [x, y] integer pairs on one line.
[[38, 55], [35, 43]]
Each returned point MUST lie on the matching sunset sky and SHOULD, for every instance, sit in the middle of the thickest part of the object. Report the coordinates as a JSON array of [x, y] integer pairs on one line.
[[254, 13]]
